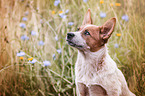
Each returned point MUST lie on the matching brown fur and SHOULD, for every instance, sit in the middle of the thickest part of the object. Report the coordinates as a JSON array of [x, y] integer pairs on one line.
[[96, 73], [93, 40], [93, 90]]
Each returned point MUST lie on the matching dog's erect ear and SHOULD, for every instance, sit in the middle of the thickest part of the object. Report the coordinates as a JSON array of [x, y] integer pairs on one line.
[[87, 18], [107, 28]]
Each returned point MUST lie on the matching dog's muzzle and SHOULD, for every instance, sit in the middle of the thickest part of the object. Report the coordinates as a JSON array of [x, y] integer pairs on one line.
[[70, 41], [70, 36]]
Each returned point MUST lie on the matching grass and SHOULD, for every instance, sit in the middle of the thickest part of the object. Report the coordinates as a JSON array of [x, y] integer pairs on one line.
[[19, 77]]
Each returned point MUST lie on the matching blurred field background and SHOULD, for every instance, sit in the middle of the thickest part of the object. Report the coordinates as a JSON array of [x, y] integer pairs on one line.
[[35, 59]]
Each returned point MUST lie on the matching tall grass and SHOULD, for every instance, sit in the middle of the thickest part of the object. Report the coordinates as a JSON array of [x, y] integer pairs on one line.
[[19, 77]]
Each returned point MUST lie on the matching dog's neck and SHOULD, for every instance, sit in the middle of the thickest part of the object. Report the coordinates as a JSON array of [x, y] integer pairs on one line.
[[95, 59], [91, 65]]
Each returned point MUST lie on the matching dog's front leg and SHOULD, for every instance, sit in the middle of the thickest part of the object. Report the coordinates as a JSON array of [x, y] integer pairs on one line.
[[82, 89], [97, 90]]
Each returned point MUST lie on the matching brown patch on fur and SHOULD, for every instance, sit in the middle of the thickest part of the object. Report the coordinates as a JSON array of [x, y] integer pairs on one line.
[[94, 40], [83, 89], [99, 35], [97, 90]]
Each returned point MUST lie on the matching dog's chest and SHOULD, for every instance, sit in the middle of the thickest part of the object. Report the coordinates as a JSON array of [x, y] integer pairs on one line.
[[88, 69]]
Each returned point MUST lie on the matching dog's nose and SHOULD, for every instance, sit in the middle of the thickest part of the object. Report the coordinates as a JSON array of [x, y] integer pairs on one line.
[[70, 35]]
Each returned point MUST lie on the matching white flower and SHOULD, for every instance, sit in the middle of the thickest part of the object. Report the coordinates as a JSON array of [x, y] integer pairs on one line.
[[33, 33], [56, 38], [125, 17], [21, 54], [54, 56], [67, 11], [56, 2], [24, 19], [70, 23], [33, 61], [24, 37], [116, 45], [58, 50], [62, 15], [102, 15], [41, 43], [22, 25], [46, 63], [85, 1]]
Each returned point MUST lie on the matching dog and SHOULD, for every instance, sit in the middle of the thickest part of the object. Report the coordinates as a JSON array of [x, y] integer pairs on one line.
[[96, 73]]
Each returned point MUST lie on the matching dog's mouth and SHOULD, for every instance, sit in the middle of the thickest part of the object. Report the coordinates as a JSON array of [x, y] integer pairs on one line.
[[73, 44]]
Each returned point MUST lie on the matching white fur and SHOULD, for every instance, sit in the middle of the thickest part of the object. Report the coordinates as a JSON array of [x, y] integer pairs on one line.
[[98, 68]]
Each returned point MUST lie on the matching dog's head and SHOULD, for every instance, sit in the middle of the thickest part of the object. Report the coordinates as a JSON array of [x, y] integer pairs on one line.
[[89, 36]]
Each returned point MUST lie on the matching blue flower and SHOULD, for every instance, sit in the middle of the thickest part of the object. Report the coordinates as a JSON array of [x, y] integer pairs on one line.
[[62, 15], [102, 15], [116, 45], [24, 19], [21, 54], [70, 23], [33, 33], [59, 50], [46, 63], [125, 17], [67, 11], [56, 38], [54, 57], [41, 43], [24, 37], [33, 61], [22, 25], [85, 1], [56, 2]]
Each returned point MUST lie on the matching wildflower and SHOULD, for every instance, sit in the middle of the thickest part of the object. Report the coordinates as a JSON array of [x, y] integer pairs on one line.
[[53, 12], [22, 25], [33, 33], [118, 34], [102, 15], [70, 23], [26, 13], [101, 1], [116, 45], [60, 12], [21, 58], [56, 2], [41, 43], [20, 54], [54, 56], [59, 50], [33, 61], [24, 19], [62, 15], [67, 11], [46, 63], [111, 4], [118, 4], [85, 1], [125, 17], [30, 59], [56, 38], [24, 37]]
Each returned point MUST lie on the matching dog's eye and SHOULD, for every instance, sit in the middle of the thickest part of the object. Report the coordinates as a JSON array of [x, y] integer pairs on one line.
[[78, 29], [86, 32]]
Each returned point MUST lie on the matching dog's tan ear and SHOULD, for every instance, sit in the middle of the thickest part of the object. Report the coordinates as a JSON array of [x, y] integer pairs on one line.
[[107, 28], [87, 18]]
